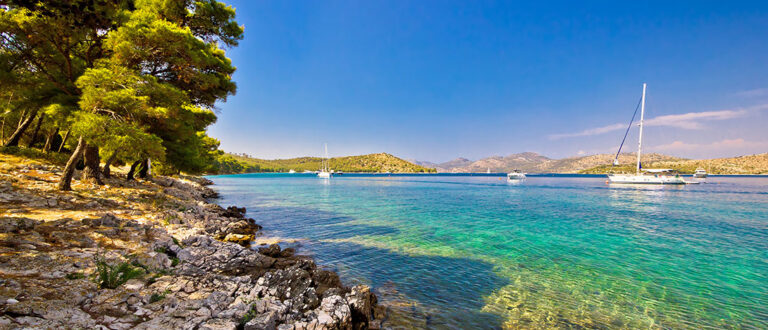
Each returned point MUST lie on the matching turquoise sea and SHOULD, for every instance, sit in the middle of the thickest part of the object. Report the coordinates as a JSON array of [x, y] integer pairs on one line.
[[446, 251]]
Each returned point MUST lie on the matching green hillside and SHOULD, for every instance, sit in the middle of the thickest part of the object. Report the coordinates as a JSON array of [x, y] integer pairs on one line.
[[381, 162]]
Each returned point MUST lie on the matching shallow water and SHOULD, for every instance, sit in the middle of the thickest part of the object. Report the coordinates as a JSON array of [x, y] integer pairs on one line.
[[477, 252]]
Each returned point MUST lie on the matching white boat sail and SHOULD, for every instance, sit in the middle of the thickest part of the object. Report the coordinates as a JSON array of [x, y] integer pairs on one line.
[[324, 172], [644, 176]]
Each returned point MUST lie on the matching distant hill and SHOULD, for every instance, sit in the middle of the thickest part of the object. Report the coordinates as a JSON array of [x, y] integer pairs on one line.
[[532, 162], [526, 161], [451, 164], [381, 162], [752, 164], [580, 164]]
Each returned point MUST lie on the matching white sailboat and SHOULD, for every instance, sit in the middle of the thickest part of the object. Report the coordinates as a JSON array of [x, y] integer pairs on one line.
[[644, 176], [324, 172]]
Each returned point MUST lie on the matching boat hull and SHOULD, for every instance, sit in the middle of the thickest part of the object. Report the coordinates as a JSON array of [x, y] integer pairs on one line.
[[515, 176], [700, 176], [645, 179], [324, 175]]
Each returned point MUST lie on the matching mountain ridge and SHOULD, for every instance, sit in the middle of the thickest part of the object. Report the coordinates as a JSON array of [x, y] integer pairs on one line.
[[533, 162]]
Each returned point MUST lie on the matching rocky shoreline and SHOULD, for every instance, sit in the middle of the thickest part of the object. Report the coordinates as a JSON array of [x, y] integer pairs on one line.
[[153, 254]]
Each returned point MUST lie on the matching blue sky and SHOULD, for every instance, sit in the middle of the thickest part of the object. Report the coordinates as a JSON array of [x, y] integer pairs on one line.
[[436, 80]]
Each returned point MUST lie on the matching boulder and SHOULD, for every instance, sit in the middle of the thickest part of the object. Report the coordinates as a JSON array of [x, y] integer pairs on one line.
[[244, 240], [266, 321]]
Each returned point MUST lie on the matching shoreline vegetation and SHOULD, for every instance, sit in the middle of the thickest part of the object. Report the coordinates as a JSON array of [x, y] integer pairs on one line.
[[371, 163], [152, 253]]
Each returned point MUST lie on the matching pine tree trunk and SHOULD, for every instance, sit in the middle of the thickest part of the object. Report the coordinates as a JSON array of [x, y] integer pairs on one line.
[[21, 118], [2, 131], [13, 141], [109, 162], [33, 139], [49, 140], [144, 169], [129, 177], [91, 172], [69, 170], [63, 141]]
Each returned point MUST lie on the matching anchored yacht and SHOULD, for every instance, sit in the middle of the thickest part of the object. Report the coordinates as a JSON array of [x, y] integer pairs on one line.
[[324, 173], [643, 176]]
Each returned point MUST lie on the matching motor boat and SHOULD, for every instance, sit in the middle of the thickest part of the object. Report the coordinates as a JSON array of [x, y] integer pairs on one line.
[[515, 175], [700, 173]]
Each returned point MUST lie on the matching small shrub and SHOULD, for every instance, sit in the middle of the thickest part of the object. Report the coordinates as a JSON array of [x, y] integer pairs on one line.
[[247, 318], [176, 241], [155, 297], [112, 276], [172, 255], [75, 276], [153, 279]]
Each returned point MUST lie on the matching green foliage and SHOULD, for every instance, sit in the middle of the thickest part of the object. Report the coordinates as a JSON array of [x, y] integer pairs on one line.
[[75, 276], [137, 78], [174, 259], [112, 276], [247, 317], [155, 297], [228, 164]]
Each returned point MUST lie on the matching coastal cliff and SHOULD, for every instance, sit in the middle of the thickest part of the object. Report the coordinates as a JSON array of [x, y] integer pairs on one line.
[[152, 254]]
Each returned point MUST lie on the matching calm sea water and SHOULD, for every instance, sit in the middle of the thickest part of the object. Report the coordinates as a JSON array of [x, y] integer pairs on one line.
[[477, 252]]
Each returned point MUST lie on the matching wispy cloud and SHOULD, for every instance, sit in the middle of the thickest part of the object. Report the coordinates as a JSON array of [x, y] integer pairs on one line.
[[753, 92], [724, 148], [589, 132], [691, 120]]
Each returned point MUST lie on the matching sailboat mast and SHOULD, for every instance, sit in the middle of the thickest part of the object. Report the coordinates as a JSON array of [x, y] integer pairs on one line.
[[640, 140], [326, 158]]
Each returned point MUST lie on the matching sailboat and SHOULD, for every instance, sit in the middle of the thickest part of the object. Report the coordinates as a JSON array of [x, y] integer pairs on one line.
[[644, 176], [324, 172]]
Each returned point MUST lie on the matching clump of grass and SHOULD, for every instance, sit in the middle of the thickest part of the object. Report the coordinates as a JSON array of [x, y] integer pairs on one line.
[[153, 279], [109, 276], [75, 276], [247, 318], [137, 264], [172, 255], [176, 241], [162, 249], [155, 297]]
